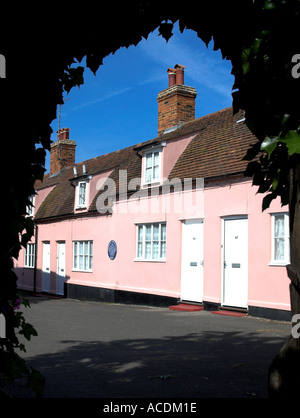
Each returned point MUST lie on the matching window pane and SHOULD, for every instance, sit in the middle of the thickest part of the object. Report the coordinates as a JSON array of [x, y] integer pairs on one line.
[[155, 172], [148, 232], [148, 160], [140, 250], [91, 263], [86, 262], [75, 261], [81, 247], [279, 249], [156, 232], [279, 226], [148, 175], [163, 249], [148, 250], [156, 158], [163, 232], [81, 262], [86, 248], [155, 250], [140, 233]]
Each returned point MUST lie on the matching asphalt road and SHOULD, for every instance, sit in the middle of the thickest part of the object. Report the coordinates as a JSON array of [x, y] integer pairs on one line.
[[99, 350]]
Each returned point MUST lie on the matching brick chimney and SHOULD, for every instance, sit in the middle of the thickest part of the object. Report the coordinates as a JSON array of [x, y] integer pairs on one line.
[[176, 104], [62, 152]]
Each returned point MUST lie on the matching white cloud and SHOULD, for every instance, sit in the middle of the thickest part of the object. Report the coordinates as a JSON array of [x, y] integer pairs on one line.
[[102, 98], [203, 65]]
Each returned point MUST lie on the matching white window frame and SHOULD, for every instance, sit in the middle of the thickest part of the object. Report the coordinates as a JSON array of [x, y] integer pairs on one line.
[[152, 152], [29, 255], [141, 244], [88, 254], [80, 205], [286, 237], [30, 208]]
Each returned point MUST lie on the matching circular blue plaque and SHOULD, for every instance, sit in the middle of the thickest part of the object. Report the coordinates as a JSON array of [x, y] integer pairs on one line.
[[112, 250]]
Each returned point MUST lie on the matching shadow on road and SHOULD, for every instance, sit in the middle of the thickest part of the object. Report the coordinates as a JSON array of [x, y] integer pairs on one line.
[[203, 365]]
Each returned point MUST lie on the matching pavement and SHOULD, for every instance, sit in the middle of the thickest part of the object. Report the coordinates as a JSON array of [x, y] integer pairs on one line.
[[100, 350]]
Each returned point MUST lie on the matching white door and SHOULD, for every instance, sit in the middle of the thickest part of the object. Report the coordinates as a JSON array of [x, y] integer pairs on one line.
[[192, 261], [235, 262], [46, 267], [61, 267]]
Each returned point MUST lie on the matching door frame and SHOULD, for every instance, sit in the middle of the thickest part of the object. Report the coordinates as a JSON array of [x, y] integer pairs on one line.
[[223, 220], [183, 224], [43, 289], [57, 266]]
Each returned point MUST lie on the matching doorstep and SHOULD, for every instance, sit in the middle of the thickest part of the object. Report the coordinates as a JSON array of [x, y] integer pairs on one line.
[[186, 307], [229, 313]]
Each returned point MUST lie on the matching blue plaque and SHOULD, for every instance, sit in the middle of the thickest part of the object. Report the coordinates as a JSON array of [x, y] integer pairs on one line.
[[112, 250]]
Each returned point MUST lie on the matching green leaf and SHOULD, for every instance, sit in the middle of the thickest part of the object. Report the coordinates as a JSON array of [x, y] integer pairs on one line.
[[292, 142], [275, 181], [26, 303], [269, 144], [28, 331], [269, 5], [36, 381]]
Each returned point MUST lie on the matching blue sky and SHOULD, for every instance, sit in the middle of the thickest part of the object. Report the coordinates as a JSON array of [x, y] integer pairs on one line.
[[118, 107]]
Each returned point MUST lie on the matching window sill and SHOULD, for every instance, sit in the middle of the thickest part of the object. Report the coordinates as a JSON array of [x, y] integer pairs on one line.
[[279, 264], [148, 260], [82, 271], [152, 184]]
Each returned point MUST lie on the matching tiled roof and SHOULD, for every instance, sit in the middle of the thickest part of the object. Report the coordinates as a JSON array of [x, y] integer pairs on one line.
[[216, 150]]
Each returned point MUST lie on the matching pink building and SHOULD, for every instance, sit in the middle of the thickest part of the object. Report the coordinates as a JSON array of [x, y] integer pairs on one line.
[[167, 220]]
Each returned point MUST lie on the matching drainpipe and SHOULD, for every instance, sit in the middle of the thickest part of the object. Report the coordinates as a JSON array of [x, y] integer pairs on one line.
[[35, 257]]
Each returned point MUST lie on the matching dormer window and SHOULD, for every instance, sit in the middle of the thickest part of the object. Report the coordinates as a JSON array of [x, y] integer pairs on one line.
[[152, 166], [81, 195], [30, 207], [152, 162]]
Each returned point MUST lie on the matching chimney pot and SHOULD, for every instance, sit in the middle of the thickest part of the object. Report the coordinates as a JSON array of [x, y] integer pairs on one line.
[[179, 73], [172, 76], [63, 133]]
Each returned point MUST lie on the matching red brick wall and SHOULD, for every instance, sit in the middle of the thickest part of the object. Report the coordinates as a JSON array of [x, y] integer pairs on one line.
[[62, 152], [176, 105]]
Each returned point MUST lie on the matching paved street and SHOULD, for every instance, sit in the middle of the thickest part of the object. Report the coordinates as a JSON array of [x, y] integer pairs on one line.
[[87, 349]]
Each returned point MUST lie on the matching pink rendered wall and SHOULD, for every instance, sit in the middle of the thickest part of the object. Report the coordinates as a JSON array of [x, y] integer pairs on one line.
[[173, 150], [268, 286], [40, 196], [170, 154]]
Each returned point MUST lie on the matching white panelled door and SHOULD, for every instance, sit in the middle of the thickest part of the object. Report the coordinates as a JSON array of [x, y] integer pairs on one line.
[[61, 268], [192, 261], [46, 267], [235, 262]]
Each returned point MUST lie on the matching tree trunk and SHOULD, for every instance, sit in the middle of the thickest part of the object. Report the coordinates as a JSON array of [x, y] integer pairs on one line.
[[284, 372]]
